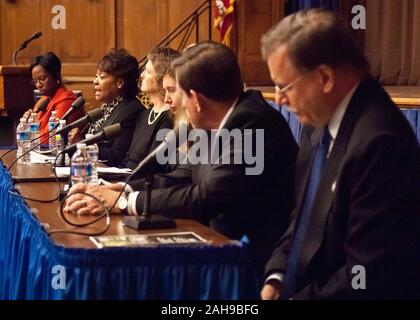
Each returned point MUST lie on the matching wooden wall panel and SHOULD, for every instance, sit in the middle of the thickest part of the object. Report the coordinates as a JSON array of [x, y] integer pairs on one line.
[[20, 19], [90, 29], [142, 24], [1, 53], [180, 11], [254, 18], [90, 32], [95, 26]]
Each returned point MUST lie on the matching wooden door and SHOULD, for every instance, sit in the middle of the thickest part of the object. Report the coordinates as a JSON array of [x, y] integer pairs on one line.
[[254, 18]]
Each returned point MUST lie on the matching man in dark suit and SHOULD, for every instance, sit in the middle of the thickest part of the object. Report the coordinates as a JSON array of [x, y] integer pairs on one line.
[[355, 230], [242, 200]]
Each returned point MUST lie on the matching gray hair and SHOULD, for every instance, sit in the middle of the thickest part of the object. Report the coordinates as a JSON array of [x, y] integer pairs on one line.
[[314, 37]]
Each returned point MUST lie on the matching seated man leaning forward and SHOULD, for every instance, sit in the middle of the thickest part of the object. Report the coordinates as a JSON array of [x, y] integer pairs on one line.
[[243, 191]]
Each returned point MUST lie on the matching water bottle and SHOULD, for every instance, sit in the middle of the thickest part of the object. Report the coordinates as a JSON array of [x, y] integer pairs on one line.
[[52, 122], [59, 143], [93, 151], [23, 138], [19, 130], [34, 129], [81, 165]]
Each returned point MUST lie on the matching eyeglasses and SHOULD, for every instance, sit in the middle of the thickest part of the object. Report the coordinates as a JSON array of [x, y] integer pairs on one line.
[[287, 87], [41, 80]]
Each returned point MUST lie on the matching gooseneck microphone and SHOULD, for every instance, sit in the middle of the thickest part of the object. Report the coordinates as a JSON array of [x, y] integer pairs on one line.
[[76, 105], [107, 133], [24, 44], [90, 117], [43, 105], [146, 220], [171, 139]]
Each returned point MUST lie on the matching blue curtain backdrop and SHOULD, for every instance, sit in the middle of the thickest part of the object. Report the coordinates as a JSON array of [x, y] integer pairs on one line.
[[296, 5]]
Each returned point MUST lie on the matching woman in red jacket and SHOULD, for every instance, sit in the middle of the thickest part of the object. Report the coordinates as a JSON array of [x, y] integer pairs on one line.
[[46, 77]]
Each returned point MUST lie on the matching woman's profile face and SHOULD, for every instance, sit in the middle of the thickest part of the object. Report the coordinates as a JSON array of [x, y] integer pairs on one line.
[[43, 81], [106, 87], [148, 79]]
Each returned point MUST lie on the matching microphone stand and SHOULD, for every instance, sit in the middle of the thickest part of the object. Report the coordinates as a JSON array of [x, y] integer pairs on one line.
[[15, 55], [62, 159], [24, 45], [147, 221], [54, 165]]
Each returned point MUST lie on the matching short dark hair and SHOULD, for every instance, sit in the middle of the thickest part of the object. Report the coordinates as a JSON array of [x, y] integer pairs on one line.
[[314, 37], [122, 65], [209, 68], [50, 62], [161, 58]]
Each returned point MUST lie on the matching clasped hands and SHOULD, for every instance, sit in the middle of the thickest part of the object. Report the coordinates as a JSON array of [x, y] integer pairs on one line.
[[81, 204]]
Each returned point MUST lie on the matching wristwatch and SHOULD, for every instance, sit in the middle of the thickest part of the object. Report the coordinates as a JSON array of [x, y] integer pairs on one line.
[[123, 202]]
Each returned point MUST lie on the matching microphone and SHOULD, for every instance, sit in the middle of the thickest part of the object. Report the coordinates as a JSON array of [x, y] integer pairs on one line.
[[180, 133], [43, 105], [76, 105], [90, 117], [25, 43], [107, 133], [146, 220]]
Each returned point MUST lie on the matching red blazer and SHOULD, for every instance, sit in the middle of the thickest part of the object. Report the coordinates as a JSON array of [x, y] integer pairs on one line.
[[60, 102]]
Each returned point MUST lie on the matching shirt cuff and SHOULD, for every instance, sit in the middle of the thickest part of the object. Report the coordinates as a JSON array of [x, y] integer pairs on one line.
[[127, 187], [275, 276], [132, 201]]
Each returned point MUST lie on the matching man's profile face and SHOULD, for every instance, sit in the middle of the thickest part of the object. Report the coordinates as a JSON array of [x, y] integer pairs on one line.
[[173, 98], [304, 96]]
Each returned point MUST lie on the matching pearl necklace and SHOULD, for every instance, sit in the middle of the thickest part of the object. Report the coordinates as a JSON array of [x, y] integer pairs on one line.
[[155, 117]]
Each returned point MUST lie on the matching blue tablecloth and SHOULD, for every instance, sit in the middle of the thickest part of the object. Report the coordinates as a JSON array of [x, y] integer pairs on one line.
[[28, 256]]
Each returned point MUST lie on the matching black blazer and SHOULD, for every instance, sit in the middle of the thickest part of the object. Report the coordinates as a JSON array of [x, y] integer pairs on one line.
[[366, 210], [231, 202], [126, 114], [144, 139]]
